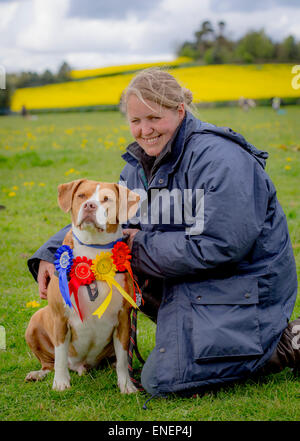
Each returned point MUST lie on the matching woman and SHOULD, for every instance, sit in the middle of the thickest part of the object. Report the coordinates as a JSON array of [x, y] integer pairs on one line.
[[226, 270]]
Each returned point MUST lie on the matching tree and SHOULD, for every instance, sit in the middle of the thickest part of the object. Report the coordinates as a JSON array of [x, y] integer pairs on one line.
[[255, 46], [209, 45], [204, 38], [222, 49], [47, 77], [63, 73], [187, 49], [288, 50]]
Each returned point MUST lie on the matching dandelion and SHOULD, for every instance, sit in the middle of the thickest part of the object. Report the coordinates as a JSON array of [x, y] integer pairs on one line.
[[29, 185], [30, 136], [68, 172], [83, 143], [287, 167], [11, 194], [32, 304], [69, 131], [15, 187], [288, 159], [42, 184]]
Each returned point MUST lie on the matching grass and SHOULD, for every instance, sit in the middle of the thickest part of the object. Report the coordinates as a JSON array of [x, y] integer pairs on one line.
[[37, 155]]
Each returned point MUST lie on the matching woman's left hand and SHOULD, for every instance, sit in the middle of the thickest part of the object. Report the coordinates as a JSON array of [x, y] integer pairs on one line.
[[130, 232]]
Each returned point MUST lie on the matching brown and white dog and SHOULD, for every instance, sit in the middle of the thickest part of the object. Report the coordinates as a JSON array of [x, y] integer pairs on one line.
[[56, 334]]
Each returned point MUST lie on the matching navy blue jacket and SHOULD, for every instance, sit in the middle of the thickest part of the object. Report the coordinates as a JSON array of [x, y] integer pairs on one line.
[[228, 293]]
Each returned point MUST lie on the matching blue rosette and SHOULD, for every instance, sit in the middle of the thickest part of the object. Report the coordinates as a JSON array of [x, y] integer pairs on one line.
[[63, 263]]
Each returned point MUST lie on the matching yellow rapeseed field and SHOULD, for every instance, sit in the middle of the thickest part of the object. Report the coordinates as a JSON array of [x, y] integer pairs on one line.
[[208, 84], [85, 73]]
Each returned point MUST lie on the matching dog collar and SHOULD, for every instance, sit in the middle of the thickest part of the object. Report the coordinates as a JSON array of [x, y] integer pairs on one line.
[[103, 247]]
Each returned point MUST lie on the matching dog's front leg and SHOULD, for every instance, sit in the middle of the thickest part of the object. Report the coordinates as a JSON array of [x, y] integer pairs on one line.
[[121, 341], [62, 340]]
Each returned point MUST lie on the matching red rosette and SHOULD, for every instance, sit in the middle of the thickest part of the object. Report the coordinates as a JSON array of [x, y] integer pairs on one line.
[[81, 270], [121, 255], [80, 274]]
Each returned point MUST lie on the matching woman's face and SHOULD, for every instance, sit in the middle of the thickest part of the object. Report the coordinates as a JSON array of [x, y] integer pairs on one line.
[[152, 125]]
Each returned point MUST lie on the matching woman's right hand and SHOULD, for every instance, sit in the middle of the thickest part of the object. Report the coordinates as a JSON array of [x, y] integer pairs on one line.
[[46, 270]]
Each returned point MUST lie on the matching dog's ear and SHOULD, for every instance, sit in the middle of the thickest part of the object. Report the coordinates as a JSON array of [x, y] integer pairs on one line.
[[66, 193], [128, 203]]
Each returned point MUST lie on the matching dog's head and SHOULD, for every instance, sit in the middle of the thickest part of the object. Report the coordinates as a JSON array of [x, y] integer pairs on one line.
[[97, 206]]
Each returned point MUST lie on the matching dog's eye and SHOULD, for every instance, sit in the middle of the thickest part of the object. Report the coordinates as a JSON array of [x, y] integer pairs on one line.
[[81, 195], [107, 199]]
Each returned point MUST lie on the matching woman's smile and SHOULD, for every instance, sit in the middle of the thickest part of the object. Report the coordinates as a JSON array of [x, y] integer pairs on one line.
[[151, 140]]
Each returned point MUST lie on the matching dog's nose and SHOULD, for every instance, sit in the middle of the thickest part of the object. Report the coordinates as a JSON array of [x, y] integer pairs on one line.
[[90, 206]]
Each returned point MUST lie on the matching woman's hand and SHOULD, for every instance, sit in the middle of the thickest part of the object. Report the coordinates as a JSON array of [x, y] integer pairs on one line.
[[130, 232], [46, 270]]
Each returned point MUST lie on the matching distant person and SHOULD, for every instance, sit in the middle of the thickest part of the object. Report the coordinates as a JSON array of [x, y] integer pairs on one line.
[[226, 288], [24, 112], [276, 103], [246, 104]]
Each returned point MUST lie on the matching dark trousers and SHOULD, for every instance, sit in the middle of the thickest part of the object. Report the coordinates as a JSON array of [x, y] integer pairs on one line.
[[287, 352]]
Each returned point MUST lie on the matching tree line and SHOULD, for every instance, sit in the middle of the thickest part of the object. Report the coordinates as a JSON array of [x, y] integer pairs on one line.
[[210, 45]]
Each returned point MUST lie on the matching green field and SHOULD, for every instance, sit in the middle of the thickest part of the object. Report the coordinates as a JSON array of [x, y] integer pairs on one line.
[[38, 154]]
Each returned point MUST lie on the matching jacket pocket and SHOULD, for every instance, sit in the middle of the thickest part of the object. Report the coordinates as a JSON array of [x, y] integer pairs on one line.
[[225, 318]]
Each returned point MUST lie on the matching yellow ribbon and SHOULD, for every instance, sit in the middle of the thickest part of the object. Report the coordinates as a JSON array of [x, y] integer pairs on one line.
[[105, 270]]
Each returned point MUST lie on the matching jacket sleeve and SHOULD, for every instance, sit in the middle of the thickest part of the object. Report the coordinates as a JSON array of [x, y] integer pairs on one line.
[[47, 251], [235, 207]]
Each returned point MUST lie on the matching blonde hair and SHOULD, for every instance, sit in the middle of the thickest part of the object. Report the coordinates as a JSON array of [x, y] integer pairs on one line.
[[158, 86]]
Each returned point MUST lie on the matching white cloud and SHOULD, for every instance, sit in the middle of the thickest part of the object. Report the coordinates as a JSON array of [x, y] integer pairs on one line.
[[7, 11]]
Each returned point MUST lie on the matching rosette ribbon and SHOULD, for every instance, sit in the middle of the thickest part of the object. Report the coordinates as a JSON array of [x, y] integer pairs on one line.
[[121, 256], [80, 274], [63, 262], [105, 270]]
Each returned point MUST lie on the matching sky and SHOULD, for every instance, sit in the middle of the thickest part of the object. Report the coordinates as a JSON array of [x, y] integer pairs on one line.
[[40, 34]]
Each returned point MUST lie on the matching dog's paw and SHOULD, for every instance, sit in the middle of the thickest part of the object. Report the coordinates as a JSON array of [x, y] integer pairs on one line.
[[81, 370], [61, 384], [36, 375], [127, 387]]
